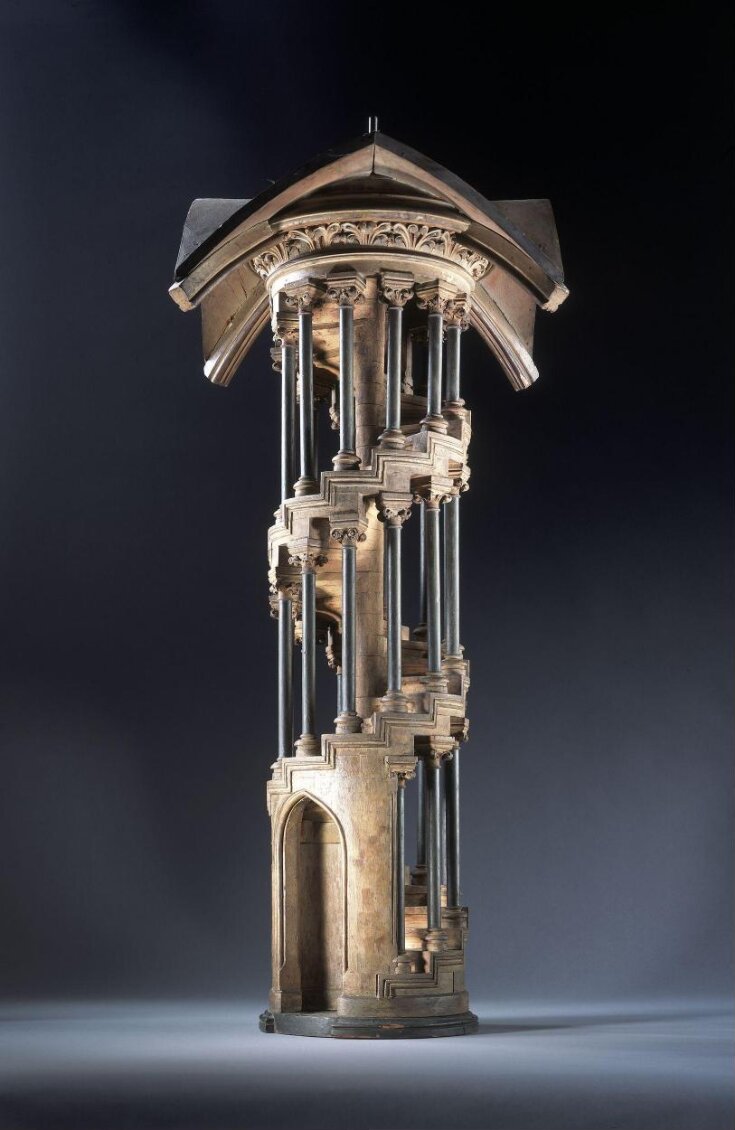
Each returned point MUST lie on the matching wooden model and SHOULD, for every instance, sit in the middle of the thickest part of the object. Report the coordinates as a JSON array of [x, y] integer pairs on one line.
[[368, 265]]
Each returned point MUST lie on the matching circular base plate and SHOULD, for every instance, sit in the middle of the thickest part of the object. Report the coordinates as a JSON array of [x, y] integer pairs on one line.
[[367, 1027]]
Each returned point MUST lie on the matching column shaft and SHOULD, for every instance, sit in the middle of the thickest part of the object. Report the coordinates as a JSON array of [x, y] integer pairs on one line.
[[420, 814], [400, 866], [308, 652], [433, 845], [452, 802], [433, 586], [454, 334], [451, 576], [285, 676], [346, 456], [349, 613], [434, 383], [393, 578], [288, 414], [307, 482]]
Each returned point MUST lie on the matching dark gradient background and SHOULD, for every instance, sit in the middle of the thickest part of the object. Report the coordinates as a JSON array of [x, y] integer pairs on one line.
[[137, 698]]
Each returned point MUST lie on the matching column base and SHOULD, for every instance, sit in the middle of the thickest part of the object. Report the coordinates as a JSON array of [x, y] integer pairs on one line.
[[392, 437], [453, 663], [394, 701], [434, 424], [329, 1024], [304, 486], [456, 409], [346, 461], [419, 632], [435, 681], [437, 940], [348, 722], [308, 745]]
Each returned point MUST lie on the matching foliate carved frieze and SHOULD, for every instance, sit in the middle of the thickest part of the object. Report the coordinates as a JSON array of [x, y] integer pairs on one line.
[[298, 242], [347, 535]]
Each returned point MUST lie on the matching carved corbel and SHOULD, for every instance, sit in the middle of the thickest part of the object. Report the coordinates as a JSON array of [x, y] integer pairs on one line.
[[347, 535], [345, 287], [436, 296], [394, 509], [396, 287], [301, 296], [307, 560]]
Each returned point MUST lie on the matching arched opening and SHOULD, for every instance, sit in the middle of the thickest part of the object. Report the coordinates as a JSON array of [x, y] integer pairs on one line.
[[314, 883]]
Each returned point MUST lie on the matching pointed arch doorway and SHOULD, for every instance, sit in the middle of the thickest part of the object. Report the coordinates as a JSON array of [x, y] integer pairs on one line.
[[314, 888]]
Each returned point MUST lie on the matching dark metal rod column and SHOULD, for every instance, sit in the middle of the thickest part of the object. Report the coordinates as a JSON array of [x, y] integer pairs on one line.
[[400, 865], [288, 405], [452, 803], [307, 482], [434, 382], [421, 815], [451, 576], [433, 857], [433, 583], [348, 720], [308, 651], [346, 455], [454, 334], [393, 539], [285, 675], [349, 613]]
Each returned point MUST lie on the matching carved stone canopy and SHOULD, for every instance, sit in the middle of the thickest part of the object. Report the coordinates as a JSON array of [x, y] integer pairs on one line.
[[372, 202]]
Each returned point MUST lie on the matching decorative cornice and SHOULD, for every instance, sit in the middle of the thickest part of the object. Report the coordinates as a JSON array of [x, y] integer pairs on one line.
[[347, 535], [396, 287], [299, 242]]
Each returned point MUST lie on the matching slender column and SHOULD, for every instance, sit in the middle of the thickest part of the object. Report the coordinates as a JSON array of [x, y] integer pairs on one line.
[[433, 860], [420, 629], [451, 576], [399, 856], [435, 298], [302, 298], [348, 720], [288, 417], [394, 512], [397, 289], [457, 320], [451, 779], [285, 671], [421, 817], [346, 288], [308, 743], [432, 502]]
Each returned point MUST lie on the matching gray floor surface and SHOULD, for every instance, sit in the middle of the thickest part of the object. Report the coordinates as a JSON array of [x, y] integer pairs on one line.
[[199, 1066]]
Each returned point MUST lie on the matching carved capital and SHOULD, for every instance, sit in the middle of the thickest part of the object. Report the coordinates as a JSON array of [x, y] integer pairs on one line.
[[345, 287], [431, 497], [440, 749], [276, 359], [436, 297], [302, 297], [285, 325], [396, 287], [307, 560], [457, 312], [347, 535], [393, 510]]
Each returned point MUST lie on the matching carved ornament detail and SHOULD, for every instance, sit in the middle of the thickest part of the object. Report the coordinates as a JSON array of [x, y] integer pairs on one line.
[[348, 535], [298, 242], [307, 561]]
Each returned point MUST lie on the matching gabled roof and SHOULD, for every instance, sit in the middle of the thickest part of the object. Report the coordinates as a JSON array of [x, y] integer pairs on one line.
[[209, 221]]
